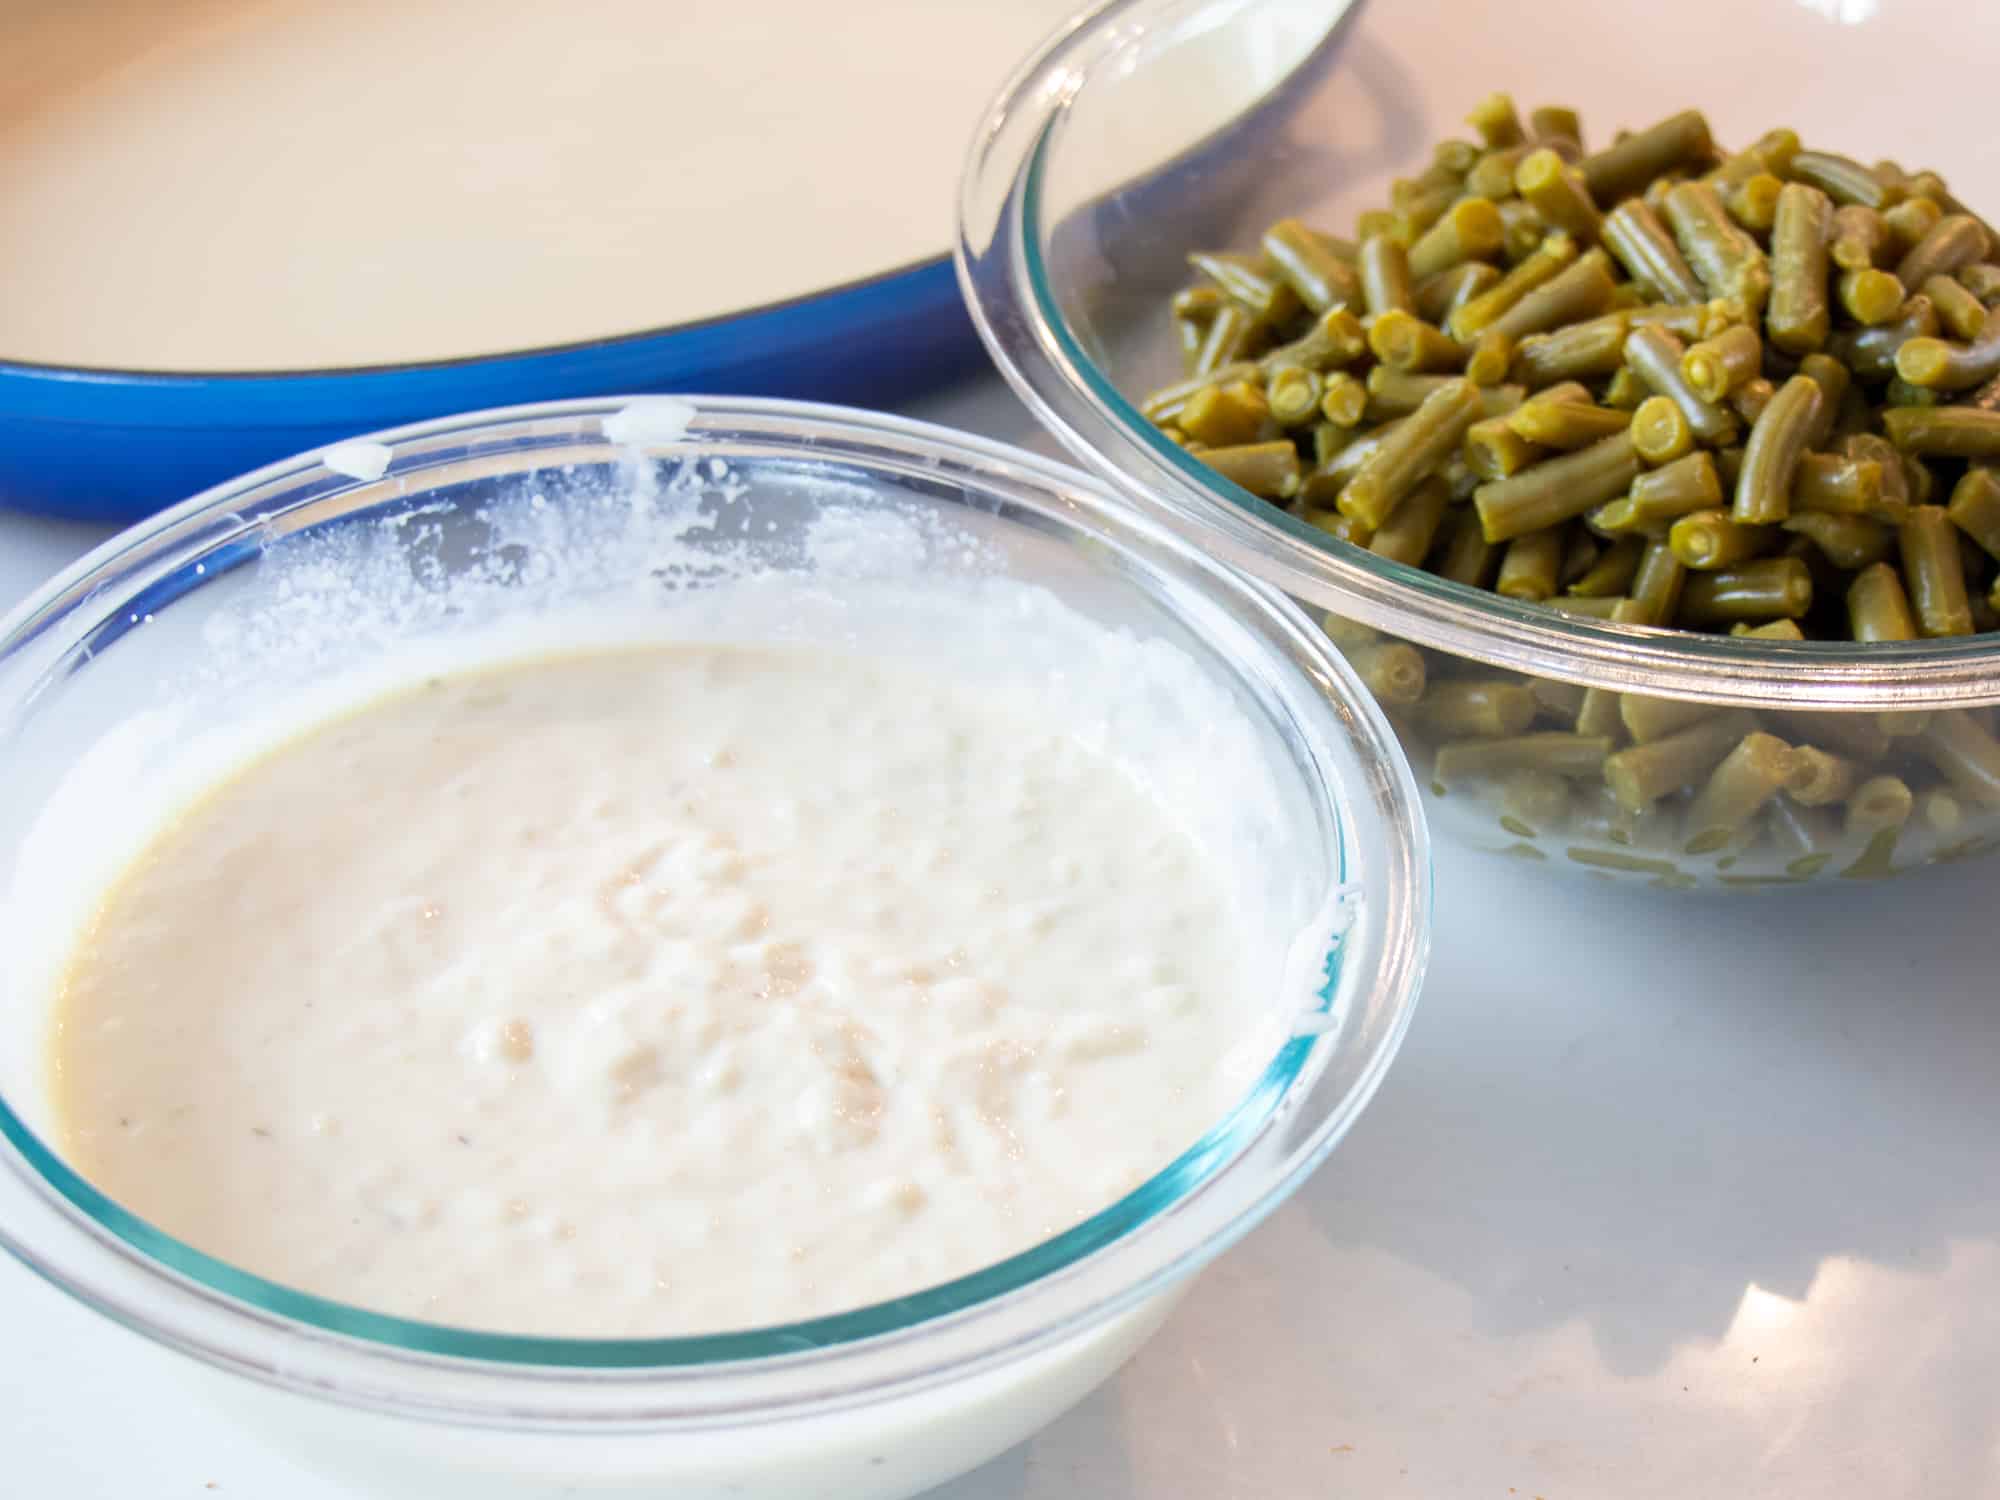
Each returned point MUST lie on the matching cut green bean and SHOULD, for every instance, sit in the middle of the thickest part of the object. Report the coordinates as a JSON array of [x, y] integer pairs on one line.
[[1328, 439], [1323, 485], [1660, 430], [1634, 234], [1975, 507], [1463, 707], [1841, 178], [1566, 425], [1749, 776], [1893, 502], [1579, 757], [1729, 263], [1494, 450], [1817, 778], [1696, 320], [1420, 203], [1771, 457], [1223, 416], [1581, 351], [1579, 553], [1229, 333], [1749, 399], [1455, 157], [1907, 223], [1775, 630], [1491, 359], [1396, 393], [1437, 297], [1831, 376], [1715, 367], [1959, 313], [1647, 718], [1772, 152], [1392, 671], [1293, 393], [1406, 536], [1768, 589], [1264, 296], [1556, 490], [1348, 635], [1581, 290], [1550, 259], [1680, 488], [1878, 609], [1655, 356], [1933, 364], [1416, 449], [1167, 403], [1524, 230], [1269, 470], [1531, 567], [1611, 575], [1319, 277], [1860, 238], [1753, 202], [1458, 476], [1497, 123], [1469, 230], [1799, 317], [1492, 176], [1404, 341], [1709, 539], [1343, 399], [1947, 431], [1966, 754], [1467, 556], [1850, 543], [1939, 811], [1554, 122], [1870, 297], [1557, 192], [1658, 586], [1879, 803], [1933, 574], [1641, 775], [1385, 276], [1536, 800], [1983, 281], [1626, 166], [1334, 341], [1952, 243]]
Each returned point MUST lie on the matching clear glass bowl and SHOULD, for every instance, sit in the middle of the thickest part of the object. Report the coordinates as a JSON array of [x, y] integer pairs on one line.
[[267, 585], [1159, 126]]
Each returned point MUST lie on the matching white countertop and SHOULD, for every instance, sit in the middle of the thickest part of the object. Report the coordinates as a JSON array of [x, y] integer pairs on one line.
[[1695, 1210]]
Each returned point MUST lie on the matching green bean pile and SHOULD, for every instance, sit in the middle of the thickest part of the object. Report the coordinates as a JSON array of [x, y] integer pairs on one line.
[[1658, 384]]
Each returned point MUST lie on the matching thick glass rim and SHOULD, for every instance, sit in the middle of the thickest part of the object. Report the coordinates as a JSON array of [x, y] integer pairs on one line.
[[201, 1305], [1005, 279]]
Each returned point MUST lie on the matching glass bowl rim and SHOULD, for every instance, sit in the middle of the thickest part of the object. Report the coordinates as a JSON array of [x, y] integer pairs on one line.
[[1003, 1293], [1005, 282]]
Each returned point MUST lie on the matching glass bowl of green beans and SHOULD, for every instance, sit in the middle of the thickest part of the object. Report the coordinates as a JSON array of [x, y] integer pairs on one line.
[[1641, 452]]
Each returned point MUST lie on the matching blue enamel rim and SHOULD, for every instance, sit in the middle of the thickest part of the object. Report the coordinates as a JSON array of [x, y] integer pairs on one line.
[[115, 446]]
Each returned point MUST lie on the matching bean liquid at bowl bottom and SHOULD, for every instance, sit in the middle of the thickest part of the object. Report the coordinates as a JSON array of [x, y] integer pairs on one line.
[[1680, 795]]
